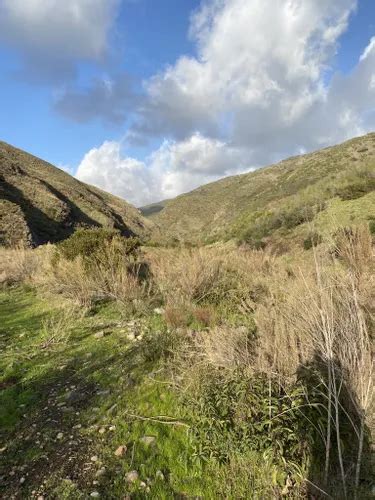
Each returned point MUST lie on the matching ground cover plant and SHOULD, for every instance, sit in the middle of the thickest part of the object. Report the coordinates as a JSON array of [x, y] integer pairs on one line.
[[212, 372]]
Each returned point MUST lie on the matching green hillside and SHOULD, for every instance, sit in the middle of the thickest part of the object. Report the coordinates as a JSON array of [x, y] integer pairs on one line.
[[40, 203], [329, 187]]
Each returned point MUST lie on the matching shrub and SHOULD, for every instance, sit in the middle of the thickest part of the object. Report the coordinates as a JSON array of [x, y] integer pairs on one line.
[[18, 265], [190, 275], [313, 240], [90, 243], [109, 274], [242, 412]]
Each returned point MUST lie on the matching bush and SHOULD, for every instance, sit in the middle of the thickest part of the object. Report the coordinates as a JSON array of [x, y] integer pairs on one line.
[[242, 412], [90, 243], [313, 240], [18, 265], [193, 275]]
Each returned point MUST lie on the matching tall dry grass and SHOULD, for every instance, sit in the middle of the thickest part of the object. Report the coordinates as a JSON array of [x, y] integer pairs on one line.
[[18, 265]]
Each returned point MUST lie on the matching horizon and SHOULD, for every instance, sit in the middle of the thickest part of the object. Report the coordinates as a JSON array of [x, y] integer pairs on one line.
[[147, 117]]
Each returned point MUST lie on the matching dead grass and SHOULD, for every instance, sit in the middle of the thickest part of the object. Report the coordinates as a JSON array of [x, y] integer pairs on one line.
[[18, 265]]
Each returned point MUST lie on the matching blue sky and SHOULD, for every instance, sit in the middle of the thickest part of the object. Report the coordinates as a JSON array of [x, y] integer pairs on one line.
[[150, 98]]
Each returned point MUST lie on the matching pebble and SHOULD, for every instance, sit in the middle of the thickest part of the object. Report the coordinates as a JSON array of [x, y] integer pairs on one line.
[[159, 310], [100, 472], [101, 430], [95, 494], [159, 475], [60, 435], [22, 480], [131, 476], [99, 335], [121, 450], [94, 458], [148, 440]]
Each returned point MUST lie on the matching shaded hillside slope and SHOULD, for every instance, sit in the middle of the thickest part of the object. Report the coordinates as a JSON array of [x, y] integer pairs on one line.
[[333, 185], [40, 203]]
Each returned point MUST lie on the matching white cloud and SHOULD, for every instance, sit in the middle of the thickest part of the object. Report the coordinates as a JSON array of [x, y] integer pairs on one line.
[[254, 71], [174, 168], [52, 34], [260, 88]]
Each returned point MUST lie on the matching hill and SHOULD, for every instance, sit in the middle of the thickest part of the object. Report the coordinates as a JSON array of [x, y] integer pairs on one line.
[[331, 186], [40, 203]]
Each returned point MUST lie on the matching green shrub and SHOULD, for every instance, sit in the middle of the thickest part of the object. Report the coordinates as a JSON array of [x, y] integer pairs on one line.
[[356, 189], [372, 226], [91, 243], [313, 240], [245, 413]]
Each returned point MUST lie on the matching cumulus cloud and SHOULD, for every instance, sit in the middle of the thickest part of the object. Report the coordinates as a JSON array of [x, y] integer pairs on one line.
[[174, 168], [52, 35], [261, 87]]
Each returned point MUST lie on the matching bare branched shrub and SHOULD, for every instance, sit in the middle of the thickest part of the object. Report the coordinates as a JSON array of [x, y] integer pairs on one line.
[[57, 330]]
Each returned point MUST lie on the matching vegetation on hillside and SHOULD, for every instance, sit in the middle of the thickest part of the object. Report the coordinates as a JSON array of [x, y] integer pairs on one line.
[[212, 372], [275, 205], [40, 203]]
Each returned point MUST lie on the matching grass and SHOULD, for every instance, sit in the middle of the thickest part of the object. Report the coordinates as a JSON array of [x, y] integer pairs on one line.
[[219, 361], [268, 206], [95, 392]]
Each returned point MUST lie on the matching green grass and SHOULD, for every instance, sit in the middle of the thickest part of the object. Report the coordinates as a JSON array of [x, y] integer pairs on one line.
[[99, 394]]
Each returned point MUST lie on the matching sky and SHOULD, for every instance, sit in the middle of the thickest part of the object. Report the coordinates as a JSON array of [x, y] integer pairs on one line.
[[148, 99]]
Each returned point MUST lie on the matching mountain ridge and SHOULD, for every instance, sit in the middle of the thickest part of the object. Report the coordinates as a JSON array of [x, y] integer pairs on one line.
[[228, 207], [41, 203]]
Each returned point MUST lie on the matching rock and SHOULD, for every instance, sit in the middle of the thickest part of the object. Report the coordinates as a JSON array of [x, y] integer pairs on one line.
[[159, 310], [121, 450], [94, 494], [94, 458], [132, 476], [99, 335], [59, 436], [131, 336], [101, 430], [142, 484], [148, 440], [159, 475], [22, 480], [112, 428], [100, 472]]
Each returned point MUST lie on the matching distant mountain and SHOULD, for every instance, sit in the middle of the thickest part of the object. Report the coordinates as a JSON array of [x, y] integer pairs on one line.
[[40, 203], [289, 200], [153, 208]]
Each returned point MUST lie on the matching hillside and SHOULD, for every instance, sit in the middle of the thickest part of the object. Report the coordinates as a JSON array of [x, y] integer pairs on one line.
[[330, 186], [41, 203]]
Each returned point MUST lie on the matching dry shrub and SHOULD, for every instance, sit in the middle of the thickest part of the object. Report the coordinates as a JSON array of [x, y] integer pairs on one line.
[[224, 347], [18, 265], [189, 275], [317, 321], [354, 247], [221, 347], [209, 274], [108, 277], [69, 279], [205, 316], [176, 316]]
